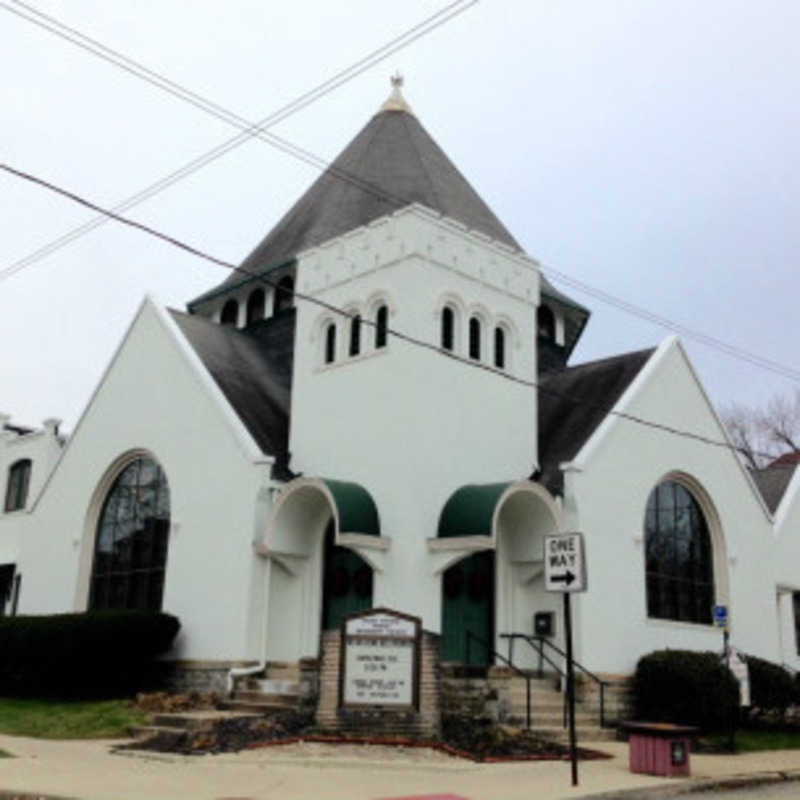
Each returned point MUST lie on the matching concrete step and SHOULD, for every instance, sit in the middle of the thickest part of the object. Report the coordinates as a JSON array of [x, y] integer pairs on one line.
[[260, 698], [274, 686], [582, 734], [258, 707], [162, 734]]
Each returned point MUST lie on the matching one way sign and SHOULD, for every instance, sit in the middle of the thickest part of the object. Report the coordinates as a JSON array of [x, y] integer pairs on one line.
[[564, 563]]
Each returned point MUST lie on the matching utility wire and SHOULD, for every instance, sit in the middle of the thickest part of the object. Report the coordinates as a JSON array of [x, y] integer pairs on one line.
[[412, 340], [256, 129], [250, 130]]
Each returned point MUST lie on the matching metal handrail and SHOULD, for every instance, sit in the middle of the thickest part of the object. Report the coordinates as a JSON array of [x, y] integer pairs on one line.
[[541, 641], [470, 636]]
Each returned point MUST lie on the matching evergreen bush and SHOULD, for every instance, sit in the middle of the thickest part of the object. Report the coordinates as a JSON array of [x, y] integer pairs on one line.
[[96, 654], [772, 688], [687, 687]]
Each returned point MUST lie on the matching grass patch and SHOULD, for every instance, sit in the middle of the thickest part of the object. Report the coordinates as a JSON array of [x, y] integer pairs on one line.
[[5, 754], [44, 719], [753, 741]]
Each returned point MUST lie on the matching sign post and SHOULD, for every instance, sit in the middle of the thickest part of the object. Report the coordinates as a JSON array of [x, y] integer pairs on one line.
[[565, 572]]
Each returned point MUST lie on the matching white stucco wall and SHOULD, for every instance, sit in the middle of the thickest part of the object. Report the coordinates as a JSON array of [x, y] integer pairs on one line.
[[606, 496], [153, 398], [409, 424]]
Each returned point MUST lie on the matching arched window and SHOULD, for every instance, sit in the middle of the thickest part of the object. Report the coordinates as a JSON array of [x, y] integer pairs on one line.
[[19, 477], [381, 327], [448, 328], [475, 338], [679, 567], [284, 294], [499, 348], [255, 306], [330, 343], [545, 323], [355, 335], [230, 313], [130, 551]]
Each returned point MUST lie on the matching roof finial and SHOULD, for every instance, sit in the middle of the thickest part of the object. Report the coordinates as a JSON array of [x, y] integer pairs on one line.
[[396, 101]]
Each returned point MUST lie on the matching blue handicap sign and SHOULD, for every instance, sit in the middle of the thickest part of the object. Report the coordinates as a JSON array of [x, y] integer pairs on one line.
[[720, 614]]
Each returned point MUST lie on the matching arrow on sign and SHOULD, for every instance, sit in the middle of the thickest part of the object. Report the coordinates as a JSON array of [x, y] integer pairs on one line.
[[567, 578]]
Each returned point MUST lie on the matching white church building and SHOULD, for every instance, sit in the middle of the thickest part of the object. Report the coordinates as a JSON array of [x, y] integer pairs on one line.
[[263, 464]]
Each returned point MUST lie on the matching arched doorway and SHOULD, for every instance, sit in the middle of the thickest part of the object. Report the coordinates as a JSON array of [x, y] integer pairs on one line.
[[311, 579], [468, 608], [346, 582]]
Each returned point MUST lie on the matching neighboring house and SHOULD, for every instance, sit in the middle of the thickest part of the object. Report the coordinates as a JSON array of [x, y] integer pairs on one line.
[[262, 465], [27, 457]]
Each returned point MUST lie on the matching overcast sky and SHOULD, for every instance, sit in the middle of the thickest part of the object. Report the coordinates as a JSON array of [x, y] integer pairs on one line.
[[649, 149]]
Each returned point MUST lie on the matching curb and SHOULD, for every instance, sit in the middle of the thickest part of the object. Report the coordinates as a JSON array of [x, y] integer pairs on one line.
[[742, 781]]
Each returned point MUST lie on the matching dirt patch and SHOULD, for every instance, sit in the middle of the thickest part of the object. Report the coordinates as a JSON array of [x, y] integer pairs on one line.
[[461, 737]]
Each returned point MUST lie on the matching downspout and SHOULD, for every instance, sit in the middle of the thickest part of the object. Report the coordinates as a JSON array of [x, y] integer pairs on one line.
[[244, 672]]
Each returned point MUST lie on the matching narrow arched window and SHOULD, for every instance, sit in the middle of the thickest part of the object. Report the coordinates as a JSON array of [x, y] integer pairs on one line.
[[448, 328], [284, 294], [678, 556], [255, 306], [381, 327], [545, 323], [499, 348], [130, 551], [355, 335], [230, 313], [19, 478], [330, 343], [475, 338]]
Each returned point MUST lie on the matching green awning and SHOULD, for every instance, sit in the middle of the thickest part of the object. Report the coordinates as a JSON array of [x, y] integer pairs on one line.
[[470, 509], [355, 506]]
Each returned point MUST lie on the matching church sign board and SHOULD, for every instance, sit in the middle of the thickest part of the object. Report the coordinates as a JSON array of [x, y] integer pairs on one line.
[[380, 660]]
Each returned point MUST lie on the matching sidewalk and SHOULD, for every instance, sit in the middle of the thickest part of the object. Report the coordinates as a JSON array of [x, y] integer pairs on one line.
[[89, 771]]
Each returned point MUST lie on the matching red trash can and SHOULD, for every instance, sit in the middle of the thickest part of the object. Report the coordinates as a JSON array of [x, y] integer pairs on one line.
[[659, 748]]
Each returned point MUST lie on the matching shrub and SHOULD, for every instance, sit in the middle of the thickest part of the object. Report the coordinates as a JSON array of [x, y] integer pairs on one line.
[[772, 688], [686, 687], [97, 654]]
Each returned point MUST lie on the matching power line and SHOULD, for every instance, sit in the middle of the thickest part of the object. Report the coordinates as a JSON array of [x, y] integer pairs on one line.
[[256, 130], [250, 130], [683, 330], [412, 340]]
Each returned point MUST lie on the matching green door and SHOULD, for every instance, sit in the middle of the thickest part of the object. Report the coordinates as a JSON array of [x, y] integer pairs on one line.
[[346, 585], [468, 605]]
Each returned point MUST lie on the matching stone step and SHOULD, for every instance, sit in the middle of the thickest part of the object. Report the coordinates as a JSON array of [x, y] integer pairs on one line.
[[193, 720]]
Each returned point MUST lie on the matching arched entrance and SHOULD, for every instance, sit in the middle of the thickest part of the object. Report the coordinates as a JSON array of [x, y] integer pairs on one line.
[[311, 578], [496, 531], [468, 610]]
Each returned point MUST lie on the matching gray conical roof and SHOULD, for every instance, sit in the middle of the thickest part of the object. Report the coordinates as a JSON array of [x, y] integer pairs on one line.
[[391, 163]]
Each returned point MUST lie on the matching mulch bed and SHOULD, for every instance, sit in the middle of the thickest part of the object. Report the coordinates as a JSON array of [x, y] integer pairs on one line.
[[479, 741]]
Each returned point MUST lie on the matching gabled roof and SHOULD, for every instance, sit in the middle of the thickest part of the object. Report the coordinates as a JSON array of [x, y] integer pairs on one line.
[[573, 402], [392, 163], [253, 371], [773, 481]]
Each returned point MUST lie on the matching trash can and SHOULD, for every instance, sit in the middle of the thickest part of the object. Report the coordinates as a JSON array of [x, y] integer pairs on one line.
[[659, 748]]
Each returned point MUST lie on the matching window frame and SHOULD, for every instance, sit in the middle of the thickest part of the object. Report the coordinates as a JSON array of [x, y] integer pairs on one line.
[[671, 596], [231, 306], [121, 511], [18, 485]]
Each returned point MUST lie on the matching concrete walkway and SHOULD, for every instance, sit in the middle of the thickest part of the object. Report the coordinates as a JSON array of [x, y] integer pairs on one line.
[[307, 771]]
